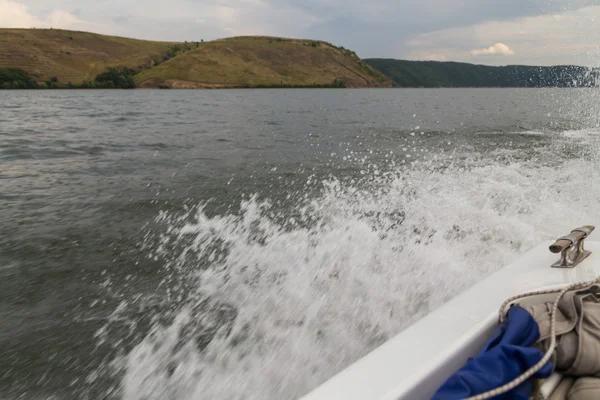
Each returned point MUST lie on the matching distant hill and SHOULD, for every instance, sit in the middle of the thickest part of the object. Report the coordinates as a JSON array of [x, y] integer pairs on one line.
[[263, 61], [73, 56], [52, 58], [453, 74], [55, 58]]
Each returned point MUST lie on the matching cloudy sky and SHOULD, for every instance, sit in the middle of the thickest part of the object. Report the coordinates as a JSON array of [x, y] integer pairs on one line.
[[497, 32]]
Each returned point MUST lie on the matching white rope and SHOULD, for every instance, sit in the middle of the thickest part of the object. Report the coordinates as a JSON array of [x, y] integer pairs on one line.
[[540, 364]]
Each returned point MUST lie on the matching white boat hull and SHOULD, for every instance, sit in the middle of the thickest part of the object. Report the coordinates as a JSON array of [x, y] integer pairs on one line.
[[413, 364]]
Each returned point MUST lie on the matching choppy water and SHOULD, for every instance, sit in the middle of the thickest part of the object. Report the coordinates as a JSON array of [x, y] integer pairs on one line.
[[250, 244]]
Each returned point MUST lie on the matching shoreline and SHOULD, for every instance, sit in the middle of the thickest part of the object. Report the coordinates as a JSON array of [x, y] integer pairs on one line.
[[298, 87]]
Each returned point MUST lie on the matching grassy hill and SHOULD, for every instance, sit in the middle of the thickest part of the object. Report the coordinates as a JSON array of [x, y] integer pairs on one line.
[[453, 74], [79, 57], [263, 61], [73, 56]]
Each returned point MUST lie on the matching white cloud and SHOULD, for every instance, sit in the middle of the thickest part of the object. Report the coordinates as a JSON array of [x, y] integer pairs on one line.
[[571, 37], [65, 20], [499, 49], [17, 15]]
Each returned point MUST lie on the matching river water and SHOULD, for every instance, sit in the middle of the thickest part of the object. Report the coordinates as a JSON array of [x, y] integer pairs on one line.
[[249, 244]]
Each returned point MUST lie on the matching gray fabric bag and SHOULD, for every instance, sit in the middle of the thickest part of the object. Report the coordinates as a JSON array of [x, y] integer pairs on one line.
[[577, 331], [585, 388], [577, 352]]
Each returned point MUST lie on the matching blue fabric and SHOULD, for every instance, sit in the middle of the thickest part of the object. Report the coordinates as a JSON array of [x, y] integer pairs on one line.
[[505, 356]]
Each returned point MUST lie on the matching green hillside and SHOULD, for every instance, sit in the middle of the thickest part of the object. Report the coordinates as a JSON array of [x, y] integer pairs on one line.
[[56, 58], [263, 61], [453, 74], [74, 56]]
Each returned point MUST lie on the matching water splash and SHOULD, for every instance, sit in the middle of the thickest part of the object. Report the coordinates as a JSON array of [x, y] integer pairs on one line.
[[267, 301]]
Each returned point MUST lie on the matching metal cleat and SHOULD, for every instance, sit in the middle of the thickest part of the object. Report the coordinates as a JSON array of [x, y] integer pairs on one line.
[[571, 248]]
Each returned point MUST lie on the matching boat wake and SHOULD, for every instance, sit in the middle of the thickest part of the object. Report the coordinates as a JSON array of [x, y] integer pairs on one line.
[[268, 300]]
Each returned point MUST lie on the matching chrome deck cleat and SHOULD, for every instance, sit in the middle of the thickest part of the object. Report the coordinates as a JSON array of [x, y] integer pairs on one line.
[[571, 248]]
